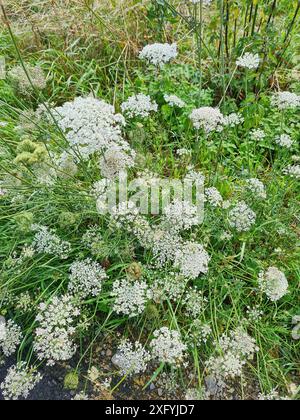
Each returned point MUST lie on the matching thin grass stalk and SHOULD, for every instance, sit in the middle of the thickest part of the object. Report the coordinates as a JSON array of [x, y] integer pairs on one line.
[[199, 38], [250, 17], [287, 36], [272, 11], [192, 26], [235, 32], [254, 19], [227, 20], [245, 20], [222, 55]]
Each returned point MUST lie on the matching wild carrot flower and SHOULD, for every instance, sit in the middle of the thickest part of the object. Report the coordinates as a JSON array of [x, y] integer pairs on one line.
[[19, 381], [207, 118], [249, 61], [159, 54], [273, 283]]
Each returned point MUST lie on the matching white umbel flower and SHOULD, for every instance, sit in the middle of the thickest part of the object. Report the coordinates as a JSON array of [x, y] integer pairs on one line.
[[205, 2], [47, 242], [284, 140], [293, 171], [11, 337], [130, 297], [19, 382], [273, 283], [285, 100], [2, 331], [248, 61], [194, 302], [131, 358], [236, 347], [86, 278], [174, 101], [273, 395], [115, 161], [257, 188], [192, 260], [182, 215], [159, 54], [167, 346], [139, 106], [26, 86], [241, 217], [90, 125], [258, 134], [183, 152], [207, 118], [169, 287], [233, 120], [54, 335], [213, 197]]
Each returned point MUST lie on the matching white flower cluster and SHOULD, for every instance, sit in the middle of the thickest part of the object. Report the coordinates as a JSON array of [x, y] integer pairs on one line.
[[25, 302], [254, 313], [181, 215], [248, 61], [86, 278], [241, 217], [236, 348], [213, 197], [273, 395], [194, 302], [3, 192], [205, 2], [2, 329], [258, 134], [130, 297], [285, 100], [167, 246], [284, 140], [91, 125], [183, 152], [273, 283], [131, 358], [139, 106], [125, 214], [66, 165], [293, 171], [256, 187], [47, 242], [54, 335], [173, 100], [169, 287], [192, 259], [167, 346], [164, 244], [238, 342], [99, 192], [19, 381], [159, 54], [207, 118], [115, 161], [81, 396], [10, 336], [199, 332], [233, 120], [26, 86], [194, 176]]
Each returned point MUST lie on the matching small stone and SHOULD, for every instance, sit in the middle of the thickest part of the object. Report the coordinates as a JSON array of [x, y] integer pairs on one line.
[[211, 385]]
